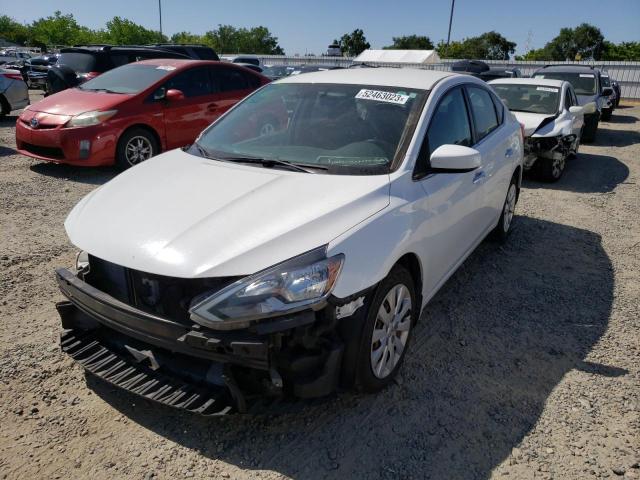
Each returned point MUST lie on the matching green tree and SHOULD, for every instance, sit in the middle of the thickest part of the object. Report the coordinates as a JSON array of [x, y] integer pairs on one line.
[[229, 39], [624, 51], [186, 37], [58, 29], [121, 31], [13, 31], [585, 42], [411, 42], [354, 43], [488, 46]]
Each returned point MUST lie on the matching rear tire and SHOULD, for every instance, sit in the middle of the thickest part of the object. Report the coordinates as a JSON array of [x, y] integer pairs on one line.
[[387, 331], [503, 229], [135, 146]]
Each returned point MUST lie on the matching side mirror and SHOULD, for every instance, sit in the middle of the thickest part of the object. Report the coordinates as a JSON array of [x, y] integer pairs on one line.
[[589, 108], [606, 91], [455, 158], [576, 110], [173, 94]]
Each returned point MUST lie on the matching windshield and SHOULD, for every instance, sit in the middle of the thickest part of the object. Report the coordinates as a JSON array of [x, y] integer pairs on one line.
[[131, 78], [79, 62], [529, 98], [583, 83], [343, 129]]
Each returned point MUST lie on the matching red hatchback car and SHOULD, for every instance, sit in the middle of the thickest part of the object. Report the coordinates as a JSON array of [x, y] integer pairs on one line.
[[130, 113]]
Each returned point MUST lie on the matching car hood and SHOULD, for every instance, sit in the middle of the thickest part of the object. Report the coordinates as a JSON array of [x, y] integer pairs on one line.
[[531, 121], [186, 216], [74, 101]]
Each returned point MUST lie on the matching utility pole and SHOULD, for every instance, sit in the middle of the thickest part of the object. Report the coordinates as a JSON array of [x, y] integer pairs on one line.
[[160, 13], [453, 2]]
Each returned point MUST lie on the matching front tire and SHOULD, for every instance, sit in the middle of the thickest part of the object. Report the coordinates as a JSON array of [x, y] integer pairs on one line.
[[606, 114], [390, 318], [135, 146], [550, 170], [590, 129]]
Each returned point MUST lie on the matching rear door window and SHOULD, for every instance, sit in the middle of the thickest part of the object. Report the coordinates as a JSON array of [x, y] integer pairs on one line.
[[194, 82], [231, 79], [483, 112], [78, 61]]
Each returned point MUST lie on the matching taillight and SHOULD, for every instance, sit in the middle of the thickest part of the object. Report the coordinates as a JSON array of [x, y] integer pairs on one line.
[[88, 76], [12, 76]]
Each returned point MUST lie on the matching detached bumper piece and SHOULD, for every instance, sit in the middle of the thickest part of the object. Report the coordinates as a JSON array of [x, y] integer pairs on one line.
[[132, 375]]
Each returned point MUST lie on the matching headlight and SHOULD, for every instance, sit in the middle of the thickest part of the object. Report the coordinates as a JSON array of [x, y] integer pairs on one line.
[[287, 287], [88, 119]]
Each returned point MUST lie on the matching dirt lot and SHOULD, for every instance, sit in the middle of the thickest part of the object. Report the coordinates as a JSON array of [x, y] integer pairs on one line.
[[525, 365]]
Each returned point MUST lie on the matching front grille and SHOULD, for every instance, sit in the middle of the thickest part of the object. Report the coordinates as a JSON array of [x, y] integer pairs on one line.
[[49, 152], [167, 297]]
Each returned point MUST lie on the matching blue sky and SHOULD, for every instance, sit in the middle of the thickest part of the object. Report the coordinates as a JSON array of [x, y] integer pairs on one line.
[[309, 26]]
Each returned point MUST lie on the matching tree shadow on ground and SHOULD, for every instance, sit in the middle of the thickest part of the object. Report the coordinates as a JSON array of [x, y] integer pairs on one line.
[[88, 175], [488, 351], [586, 173]]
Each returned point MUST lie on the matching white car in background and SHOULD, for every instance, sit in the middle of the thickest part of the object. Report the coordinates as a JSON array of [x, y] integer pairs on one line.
[[295, 262], [552, 121]]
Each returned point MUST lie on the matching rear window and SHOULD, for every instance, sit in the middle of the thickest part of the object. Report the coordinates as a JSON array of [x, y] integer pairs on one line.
[[79, 62], [131, 78]]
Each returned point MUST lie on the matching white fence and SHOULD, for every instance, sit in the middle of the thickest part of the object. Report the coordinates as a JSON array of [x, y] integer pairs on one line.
[[626, 73]]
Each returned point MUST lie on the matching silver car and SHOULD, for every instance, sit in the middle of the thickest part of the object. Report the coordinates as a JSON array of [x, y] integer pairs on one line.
[[14, 93]]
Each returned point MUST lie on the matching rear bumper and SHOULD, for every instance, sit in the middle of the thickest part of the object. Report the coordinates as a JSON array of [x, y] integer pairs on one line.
[[245, 365], [62, 145]]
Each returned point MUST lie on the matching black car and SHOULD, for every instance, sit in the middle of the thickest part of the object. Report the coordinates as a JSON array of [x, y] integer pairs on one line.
[[483, 71], [313, 68], [275, 72], [195, 51], [34, 71], [78, 64]]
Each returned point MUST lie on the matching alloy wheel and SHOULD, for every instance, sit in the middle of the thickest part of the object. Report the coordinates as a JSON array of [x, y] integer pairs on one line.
[[557, 167], [509, 207], [391, 331], [138, 149]]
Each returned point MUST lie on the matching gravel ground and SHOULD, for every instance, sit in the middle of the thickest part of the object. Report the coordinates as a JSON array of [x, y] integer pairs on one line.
[[525, 365]]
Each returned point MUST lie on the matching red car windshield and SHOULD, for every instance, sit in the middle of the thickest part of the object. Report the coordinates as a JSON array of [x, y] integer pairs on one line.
[[132, 78]]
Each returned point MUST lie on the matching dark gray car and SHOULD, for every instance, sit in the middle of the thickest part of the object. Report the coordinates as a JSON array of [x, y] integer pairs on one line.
[[587, 83]]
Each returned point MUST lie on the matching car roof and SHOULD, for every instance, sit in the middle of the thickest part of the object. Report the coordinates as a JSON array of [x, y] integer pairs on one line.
[[542, 82], [566, 68], [382, 77]]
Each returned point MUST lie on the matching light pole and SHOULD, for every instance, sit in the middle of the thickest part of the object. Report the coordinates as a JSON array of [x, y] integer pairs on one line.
[[160, 13], [453, 2]]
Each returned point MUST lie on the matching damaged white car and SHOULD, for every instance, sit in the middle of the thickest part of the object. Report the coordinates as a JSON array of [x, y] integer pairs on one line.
[[552, 121], [251, 266]]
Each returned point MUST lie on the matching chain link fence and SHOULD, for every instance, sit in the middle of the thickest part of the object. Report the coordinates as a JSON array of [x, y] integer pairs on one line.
[[626, 73]]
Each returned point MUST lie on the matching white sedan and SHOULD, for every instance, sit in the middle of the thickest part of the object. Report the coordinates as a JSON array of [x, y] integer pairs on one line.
[[552, 118], [296, 261]]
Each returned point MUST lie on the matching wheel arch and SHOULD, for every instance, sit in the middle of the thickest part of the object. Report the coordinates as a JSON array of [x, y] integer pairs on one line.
[[411, 262], [146, 127]]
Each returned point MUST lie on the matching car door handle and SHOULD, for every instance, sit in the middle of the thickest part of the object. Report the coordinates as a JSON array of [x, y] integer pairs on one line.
[[478, 176], [508, 152]]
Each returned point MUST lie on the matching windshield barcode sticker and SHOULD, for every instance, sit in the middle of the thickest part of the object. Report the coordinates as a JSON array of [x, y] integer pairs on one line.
[[381, 96], [547, 89], [587, 75]]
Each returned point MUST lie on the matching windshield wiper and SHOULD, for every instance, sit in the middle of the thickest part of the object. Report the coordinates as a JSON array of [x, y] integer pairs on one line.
[[271, 162], [203, 151], [106, 90]]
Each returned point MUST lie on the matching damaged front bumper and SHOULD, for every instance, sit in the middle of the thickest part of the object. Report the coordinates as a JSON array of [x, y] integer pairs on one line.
[[553, 148], [189, 366]]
